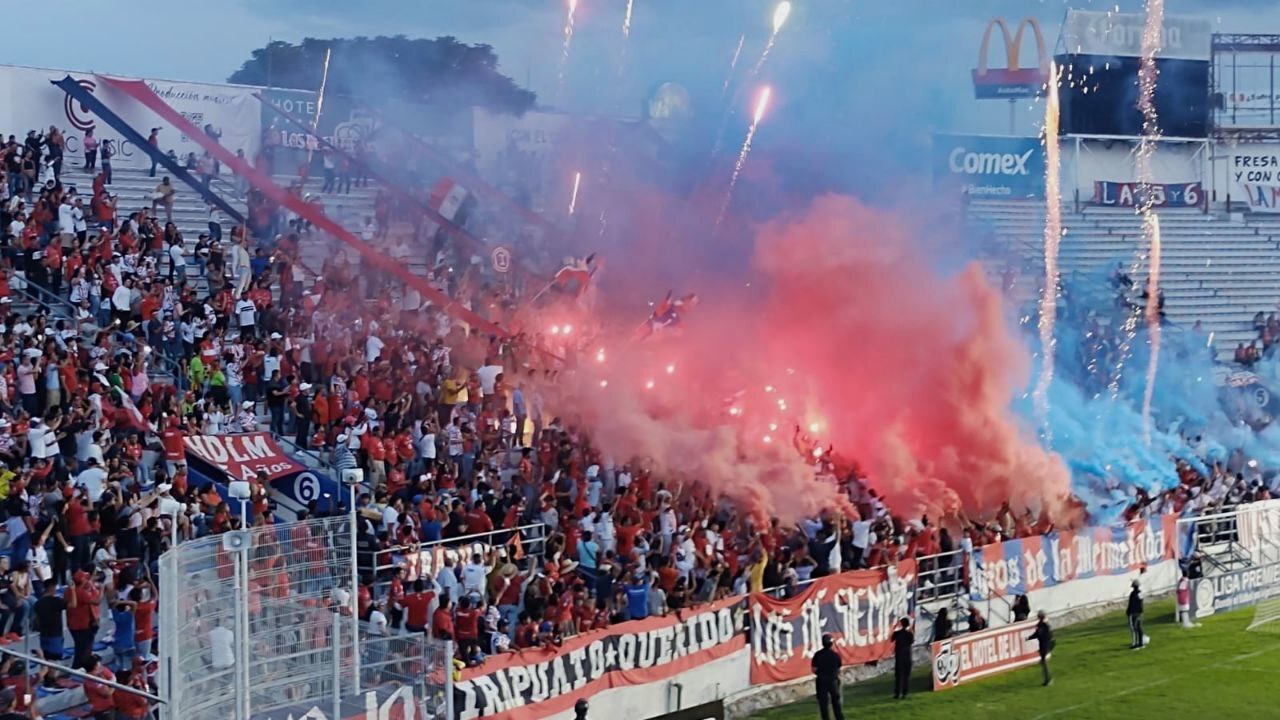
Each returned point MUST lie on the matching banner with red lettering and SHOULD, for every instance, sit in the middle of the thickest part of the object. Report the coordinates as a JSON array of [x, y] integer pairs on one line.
[[1018, 566], [541, 682], [858, 609], [976, 655]]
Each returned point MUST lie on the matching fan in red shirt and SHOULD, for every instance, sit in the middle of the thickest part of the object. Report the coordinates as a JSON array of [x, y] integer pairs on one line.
[[417, 605], [100, 696], [442, 621], [478, 521], [468, 626], [129, 706]]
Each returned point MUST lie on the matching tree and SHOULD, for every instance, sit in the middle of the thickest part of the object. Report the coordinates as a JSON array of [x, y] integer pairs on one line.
[[440, 72]]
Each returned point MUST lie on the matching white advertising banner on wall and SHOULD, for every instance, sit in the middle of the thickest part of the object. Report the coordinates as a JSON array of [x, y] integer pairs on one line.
[[1253, 173], [28, 101], [1094, 32]]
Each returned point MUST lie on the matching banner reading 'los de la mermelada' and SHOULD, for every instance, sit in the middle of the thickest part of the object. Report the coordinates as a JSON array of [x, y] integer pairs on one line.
[[1018, 566], [538, 683], [858, 609]]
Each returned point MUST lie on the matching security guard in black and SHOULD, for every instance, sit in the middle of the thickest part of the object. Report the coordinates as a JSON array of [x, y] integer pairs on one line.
[[826, 673]]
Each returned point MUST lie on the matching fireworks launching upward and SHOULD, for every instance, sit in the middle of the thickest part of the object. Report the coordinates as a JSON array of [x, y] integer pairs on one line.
[[780, 15], [733, 64], [626, 20], [1151, 226], [573, 199], [762, 104], [1147, 76], [1052, 236], [568, 39]]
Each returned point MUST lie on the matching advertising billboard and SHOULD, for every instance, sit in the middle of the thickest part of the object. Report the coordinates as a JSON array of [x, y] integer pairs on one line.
[[1012, 81], [991, 166]]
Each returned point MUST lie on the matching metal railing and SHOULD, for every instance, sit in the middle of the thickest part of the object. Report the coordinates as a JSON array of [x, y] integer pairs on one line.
[[59, 307], [426, 559], [940, 576]]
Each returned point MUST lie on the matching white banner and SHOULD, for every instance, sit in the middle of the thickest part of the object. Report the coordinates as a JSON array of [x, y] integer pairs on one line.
[[1253, 173], [524, 143], [29, 102], [1091, 32]]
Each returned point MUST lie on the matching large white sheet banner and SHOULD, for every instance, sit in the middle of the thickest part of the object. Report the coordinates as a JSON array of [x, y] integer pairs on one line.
[[29, 102], [1253, 173]]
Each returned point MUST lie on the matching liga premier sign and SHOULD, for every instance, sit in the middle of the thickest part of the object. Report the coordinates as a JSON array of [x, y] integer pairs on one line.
[[1011, 81], [538, 683], [972, 656], [1234, 590], [858, 609]]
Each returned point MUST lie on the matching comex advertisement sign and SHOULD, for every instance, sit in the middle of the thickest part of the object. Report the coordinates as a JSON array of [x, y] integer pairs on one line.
[[858, 609], [989, 165], [538, 683], [1254, 173], [971, 656], [1234, 590], [1016, 567]]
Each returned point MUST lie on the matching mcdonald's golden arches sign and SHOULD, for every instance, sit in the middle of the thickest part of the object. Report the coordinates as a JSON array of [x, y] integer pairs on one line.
[[1011, 81]]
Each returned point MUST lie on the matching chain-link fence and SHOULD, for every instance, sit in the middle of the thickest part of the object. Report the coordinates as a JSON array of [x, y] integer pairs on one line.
[[248, 621], [257, 625]]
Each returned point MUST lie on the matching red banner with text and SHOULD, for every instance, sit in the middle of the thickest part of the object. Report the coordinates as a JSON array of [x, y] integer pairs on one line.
[[858, 609]]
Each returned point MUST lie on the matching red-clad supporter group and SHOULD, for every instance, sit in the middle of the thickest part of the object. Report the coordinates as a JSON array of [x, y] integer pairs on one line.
[[125, 346]]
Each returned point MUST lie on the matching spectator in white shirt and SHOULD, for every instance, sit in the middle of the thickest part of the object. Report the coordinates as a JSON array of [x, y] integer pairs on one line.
[[122, 301], [447, 580], [247, 315], [93, 479], [474, 576]]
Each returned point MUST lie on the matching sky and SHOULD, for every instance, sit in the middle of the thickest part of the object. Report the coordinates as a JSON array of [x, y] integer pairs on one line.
[[872, 78]]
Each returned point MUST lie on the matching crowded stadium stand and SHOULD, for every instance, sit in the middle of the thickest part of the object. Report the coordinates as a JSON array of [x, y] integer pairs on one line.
[[329, 463]]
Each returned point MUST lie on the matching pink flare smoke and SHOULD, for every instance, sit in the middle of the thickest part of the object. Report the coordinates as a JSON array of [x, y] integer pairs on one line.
[[910, 374]]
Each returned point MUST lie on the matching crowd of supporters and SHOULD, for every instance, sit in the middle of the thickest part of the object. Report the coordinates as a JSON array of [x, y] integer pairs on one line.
[[458, 434]]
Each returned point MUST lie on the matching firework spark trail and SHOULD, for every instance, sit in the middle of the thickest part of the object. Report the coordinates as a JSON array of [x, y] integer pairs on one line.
[[733, 64], [724, 116], [568, 42], [1147, 77], [1052, 238], [573, 199], [626, 20], [780, 15], [761, 105], [1151, 226]]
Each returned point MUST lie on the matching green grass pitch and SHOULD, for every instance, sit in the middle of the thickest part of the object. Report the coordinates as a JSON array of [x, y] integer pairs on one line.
[[1217, 671]]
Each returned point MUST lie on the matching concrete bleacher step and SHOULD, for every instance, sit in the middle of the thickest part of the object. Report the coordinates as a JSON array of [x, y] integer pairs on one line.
[[1216, 269]]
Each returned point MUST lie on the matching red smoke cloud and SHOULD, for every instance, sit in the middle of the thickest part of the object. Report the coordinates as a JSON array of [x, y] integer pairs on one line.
[[845, 329]]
